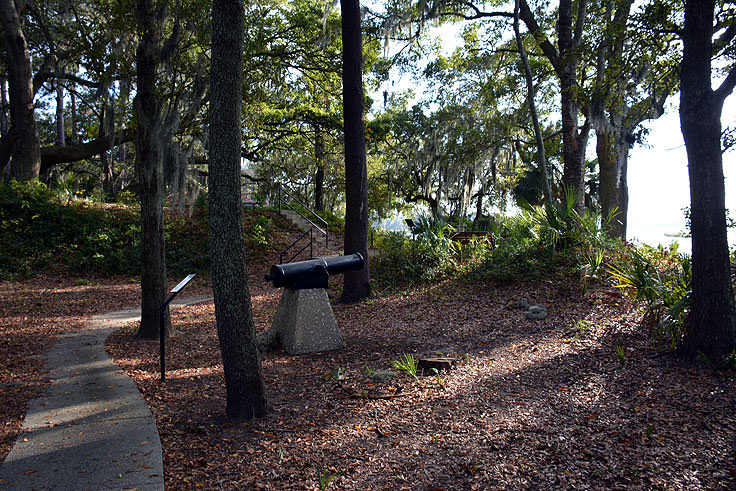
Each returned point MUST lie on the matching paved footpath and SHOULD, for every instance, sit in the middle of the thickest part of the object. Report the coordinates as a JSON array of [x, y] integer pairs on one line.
[[91, 429]]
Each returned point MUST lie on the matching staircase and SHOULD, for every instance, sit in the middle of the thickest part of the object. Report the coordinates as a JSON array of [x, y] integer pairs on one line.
[[329, 243], [316, 239]]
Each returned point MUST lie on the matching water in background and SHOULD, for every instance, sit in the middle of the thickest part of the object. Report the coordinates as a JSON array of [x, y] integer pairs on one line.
[[659, 185]]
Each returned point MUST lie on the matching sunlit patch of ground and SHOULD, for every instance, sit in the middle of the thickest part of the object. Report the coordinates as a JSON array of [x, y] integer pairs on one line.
[[532, 404]]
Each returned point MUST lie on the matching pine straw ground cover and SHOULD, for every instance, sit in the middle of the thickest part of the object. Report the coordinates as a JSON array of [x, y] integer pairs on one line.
[[532, 404]]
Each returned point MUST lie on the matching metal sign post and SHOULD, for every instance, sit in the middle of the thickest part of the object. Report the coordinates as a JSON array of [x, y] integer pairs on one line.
[[162, 320]]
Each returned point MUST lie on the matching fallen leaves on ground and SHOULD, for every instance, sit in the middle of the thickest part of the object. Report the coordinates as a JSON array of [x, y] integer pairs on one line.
[[531, 404], [33, 313]]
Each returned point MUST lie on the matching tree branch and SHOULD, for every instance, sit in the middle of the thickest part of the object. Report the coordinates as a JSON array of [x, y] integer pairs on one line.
[[43, 73], [77, 80], [53, 155], [543, 42], [724, 39], [580, 23], [727, 86]]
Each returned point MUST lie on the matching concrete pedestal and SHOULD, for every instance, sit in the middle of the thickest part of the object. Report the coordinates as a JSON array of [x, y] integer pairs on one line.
[[305, 323]]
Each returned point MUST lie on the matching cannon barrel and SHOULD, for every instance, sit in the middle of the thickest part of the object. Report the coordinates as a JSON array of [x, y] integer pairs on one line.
[[312, 273]]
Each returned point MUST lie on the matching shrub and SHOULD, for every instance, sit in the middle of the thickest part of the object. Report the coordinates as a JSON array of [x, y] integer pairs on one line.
[[257, 235], [661, 279], [38, 232], [402, 260]]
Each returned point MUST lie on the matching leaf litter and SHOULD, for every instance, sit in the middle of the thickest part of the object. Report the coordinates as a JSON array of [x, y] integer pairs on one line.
[[531, 404]]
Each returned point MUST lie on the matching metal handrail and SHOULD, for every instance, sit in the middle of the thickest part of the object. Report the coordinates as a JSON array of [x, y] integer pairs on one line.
[[326, 231], [281, 256]]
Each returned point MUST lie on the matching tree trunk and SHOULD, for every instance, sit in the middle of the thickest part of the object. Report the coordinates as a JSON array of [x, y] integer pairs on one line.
[[613, 157], [4, 124], [711, 322], [530, 94], [246, 395], [149, 169], [5, 143], [26, 160], [319, 176], [356, 283], [60, 127], [574, 138], [478, 210], [107, 171], [72, 117]]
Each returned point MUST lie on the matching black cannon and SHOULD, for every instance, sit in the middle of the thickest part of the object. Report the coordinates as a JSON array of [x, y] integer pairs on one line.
[[313, 273]]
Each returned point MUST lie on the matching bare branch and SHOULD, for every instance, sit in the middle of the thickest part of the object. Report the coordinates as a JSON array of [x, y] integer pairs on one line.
[[724, 39]]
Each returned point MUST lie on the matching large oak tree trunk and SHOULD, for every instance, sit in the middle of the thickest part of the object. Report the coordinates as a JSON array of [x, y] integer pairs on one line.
[[711, 322], [105, 160], [72, 117], [5, 143], [246, 396], [356, 284], [60, 127], [4, 123], [149, 169], [26, 159]]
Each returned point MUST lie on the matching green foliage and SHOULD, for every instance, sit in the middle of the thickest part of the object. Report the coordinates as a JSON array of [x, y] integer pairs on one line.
[[560, 224], [257, 235], [519, 254], [402, 260], [438, 380], [127, 197], [41, 231], [621, 354], [585, 326], [38, 231], [637, 277], [431, 228], [522, 251], [661, 279], [324, 479], [406, 363]]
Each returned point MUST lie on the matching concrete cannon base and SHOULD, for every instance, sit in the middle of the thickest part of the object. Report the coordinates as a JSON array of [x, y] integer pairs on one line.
[[304, 323]]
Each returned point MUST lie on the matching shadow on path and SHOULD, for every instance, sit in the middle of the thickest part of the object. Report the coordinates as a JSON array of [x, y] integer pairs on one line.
[[91, 429]]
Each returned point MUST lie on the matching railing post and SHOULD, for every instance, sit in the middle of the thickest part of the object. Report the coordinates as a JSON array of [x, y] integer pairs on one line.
[[311, 241], [327, 236]]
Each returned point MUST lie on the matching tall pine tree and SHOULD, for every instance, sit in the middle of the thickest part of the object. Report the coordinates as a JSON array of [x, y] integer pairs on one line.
[[246, 395], [356, 284]]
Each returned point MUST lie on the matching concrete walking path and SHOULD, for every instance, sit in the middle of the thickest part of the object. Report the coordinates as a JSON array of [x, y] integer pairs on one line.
[[91, 429]]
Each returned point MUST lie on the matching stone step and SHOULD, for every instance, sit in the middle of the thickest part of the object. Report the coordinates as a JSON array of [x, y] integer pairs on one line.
[[304, 225]]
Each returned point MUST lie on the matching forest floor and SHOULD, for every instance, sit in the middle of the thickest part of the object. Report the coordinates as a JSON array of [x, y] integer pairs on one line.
[[530, 404], [578, 400]]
